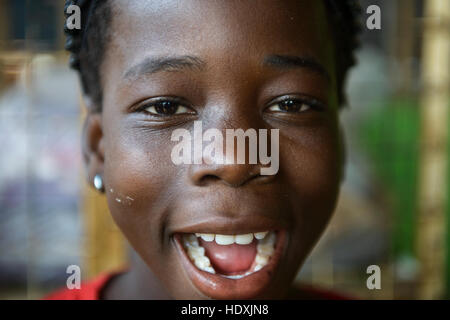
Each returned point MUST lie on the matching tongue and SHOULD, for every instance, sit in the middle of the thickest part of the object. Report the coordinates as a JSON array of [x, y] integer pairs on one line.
[[230, 259]]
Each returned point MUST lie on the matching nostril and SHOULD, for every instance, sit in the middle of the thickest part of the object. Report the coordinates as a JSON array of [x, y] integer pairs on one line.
[[230, 175], [208, 178]]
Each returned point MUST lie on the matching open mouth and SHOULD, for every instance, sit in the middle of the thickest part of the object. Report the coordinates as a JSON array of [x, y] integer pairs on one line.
[[232, 256], [236, 266]]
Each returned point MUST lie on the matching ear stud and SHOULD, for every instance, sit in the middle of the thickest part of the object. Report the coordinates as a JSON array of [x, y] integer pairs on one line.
[[98, 183]]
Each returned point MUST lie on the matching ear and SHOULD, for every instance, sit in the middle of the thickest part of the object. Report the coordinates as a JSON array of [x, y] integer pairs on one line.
[[92, 145]]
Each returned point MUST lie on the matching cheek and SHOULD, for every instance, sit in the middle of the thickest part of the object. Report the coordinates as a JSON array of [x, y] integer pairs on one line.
[[312, 165], [140, 168], [137, 173], [311, 169]]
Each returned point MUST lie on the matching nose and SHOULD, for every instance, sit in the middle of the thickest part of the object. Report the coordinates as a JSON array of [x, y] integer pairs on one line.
[[236, 140], [233, 175], [233, 165]]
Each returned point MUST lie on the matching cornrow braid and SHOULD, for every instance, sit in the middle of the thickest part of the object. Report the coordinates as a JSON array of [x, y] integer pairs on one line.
[[87, 45]]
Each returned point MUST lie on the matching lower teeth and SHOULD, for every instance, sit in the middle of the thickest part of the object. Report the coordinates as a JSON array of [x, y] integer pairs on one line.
[[237, 276], [196, 253]]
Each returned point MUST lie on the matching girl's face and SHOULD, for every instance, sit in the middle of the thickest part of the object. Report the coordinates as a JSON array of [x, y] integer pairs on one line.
[[229, 64]]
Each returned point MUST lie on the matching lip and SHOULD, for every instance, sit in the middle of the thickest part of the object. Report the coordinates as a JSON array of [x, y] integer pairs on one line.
[[218, 287], [230, 225]]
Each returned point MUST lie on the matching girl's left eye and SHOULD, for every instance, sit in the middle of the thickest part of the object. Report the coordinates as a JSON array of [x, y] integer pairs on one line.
[[166, 108], [290, 105]]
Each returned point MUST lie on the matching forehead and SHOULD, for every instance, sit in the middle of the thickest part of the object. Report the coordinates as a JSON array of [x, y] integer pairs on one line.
[[254, 16], [217, 30]]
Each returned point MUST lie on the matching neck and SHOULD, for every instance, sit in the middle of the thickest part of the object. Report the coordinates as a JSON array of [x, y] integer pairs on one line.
[[138, 283]]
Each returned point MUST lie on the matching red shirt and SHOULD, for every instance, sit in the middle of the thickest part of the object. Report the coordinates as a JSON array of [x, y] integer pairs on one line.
[[92, 290]]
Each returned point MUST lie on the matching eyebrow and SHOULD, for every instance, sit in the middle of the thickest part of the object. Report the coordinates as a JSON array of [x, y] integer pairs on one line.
[[285, 62], [152, 65]]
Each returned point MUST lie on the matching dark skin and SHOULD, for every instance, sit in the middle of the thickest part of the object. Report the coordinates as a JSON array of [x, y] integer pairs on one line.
[[226, 85]]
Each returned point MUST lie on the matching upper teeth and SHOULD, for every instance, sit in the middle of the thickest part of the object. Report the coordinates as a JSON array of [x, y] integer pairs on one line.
[[224, 239]]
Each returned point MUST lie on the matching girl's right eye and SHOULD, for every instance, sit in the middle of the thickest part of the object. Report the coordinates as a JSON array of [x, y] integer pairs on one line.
[[166, 108]]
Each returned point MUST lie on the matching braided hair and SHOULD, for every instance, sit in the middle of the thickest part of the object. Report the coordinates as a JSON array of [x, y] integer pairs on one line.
[[87, 45]]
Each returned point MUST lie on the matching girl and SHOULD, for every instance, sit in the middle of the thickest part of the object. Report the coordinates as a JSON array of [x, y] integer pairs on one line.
[[211, 229]]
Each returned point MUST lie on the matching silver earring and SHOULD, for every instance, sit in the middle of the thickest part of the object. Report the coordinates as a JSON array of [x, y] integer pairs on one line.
[[98, 182]]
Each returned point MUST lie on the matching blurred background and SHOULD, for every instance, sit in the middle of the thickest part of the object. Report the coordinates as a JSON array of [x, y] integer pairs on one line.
[[393, 209]]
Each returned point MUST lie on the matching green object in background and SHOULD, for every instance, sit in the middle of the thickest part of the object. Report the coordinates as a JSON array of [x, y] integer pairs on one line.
[[390, 137]]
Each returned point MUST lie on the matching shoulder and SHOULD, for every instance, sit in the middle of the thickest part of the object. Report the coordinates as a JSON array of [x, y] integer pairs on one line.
[[90, 290]]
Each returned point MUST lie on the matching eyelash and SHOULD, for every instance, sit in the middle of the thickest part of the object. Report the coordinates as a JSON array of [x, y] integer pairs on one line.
[[164, 104], [283, 103], [309, 104]]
